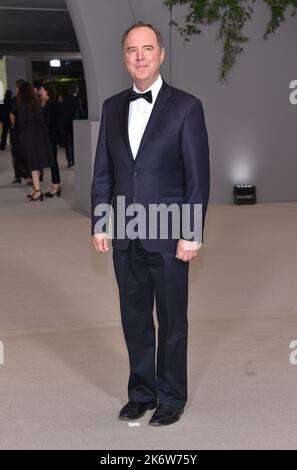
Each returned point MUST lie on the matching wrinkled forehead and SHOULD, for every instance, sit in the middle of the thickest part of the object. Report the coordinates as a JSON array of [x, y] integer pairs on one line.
[[141, 36]]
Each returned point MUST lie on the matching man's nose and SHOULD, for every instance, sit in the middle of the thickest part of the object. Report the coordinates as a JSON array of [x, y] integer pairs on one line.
[[139, 55]]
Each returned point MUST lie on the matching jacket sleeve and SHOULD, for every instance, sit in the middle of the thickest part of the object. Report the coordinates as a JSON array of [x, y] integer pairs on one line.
[[195, 153], [103, 177], [81, 111]]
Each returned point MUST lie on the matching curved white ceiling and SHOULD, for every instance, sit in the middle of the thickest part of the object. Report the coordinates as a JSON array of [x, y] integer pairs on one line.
[[28, 26]]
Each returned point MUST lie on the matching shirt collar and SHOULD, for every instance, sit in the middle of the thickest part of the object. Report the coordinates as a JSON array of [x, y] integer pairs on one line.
[[155, 88]]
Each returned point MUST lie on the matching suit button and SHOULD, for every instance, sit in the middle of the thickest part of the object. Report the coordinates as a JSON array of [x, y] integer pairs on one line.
[[135, 173]]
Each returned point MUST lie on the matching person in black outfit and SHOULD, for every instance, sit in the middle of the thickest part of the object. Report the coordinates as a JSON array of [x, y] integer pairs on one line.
[[33, 144], [52, 111], [6, 124], [71, 109], [20, 169]]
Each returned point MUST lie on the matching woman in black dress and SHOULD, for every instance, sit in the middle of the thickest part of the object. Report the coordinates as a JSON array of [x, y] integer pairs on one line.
[[52, 111], [32, 137], [6, 124]]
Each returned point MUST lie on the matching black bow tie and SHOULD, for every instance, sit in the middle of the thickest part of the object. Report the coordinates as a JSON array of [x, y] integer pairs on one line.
[[133, 95]]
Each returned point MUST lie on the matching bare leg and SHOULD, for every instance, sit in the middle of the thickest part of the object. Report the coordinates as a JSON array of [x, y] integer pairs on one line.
[[36, 179], [36, 193]]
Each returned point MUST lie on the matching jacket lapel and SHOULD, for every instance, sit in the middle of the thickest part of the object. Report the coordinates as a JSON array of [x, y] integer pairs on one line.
[[124, 116], [156, 115]]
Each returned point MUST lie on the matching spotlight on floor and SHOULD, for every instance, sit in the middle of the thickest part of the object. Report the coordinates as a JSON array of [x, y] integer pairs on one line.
[[244, 194]]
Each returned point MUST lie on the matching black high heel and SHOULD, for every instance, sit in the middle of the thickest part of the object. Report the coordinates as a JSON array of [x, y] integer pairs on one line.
[[31, 194], [56, 193], [38, 198]]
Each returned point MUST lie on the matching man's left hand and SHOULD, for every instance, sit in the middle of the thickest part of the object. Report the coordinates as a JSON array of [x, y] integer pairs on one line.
[[187, 250]]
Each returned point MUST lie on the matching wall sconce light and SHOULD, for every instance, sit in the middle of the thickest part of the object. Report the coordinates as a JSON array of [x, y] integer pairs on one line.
[[55, 63]]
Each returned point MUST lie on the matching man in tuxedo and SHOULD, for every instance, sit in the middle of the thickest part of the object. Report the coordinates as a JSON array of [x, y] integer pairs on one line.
[[152, 149]]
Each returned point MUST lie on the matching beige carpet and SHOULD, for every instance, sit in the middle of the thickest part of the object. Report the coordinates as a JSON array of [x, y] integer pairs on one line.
[[64, 376]]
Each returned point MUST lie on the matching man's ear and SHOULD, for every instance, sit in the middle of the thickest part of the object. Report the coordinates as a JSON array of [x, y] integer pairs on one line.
[[162, 54]]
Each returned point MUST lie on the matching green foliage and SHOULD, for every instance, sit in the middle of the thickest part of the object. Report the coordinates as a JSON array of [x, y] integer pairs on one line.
[[231, 15]]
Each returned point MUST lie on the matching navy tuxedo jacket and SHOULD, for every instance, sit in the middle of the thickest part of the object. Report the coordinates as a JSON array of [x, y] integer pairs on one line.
[[171, 166]]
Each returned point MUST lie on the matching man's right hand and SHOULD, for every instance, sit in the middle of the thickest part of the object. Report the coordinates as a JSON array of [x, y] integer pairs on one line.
[[100, 242]]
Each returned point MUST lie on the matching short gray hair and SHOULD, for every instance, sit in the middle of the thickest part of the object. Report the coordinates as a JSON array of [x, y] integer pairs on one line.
[[139, 24]]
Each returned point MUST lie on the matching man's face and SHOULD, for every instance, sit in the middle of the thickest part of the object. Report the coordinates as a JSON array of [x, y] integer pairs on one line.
[[143, 56]]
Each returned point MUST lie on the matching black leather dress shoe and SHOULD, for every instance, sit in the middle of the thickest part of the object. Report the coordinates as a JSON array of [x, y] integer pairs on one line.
[[165, 415], [135, 409]]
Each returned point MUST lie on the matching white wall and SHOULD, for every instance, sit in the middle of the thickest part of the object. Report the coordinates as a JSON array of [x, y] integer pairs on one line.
[[3, 79], [17, 67], [251, 123]]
